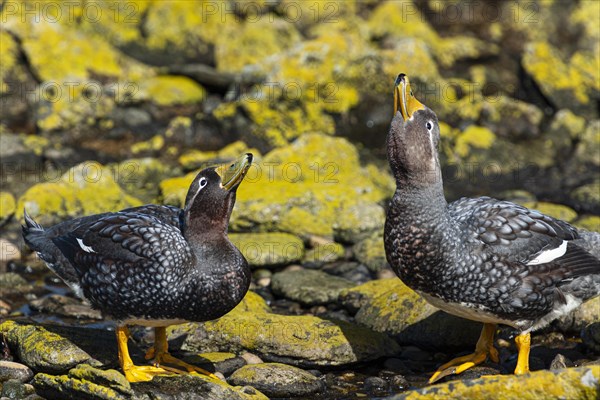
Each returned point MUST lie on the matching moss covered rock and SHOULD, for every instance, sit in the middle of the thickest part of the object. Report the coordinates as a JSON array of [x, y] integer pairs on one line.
[[278, 380], [7, 207], [170, 90], [308, 287], [301, 188], [557, 211], [359, 222], [41, 350], [371, 252], [297, 340], [87, 188], [568, 383], [141, 176], [269, 249], [387, 305], [323, 253], [11, 282], [589, 222]]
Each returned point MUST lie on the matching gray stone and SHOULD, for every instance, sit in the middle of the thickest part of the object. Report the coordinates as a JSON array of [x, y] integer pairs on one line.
[[16, 371], [308, 286], [278, 380], [13, 283], [66, 306]]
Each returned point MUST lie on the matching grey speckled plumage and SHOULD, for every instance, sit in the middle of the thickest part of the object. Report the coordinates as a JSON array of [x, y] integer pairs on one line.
[[482, 259], [152, 265]]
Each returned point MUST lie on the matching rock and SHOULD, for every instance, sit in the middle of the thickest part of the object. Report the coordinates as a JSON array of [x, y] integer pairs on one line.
[[278, 380], [591, 336], [13, 283], [224, 363], [4, 308], [320, 177], [308, 286], [305, 341], [323, 253], [67, 306], [195, 387], [88, 188], [375, 386], [511, 118], [554, 210], [269, 249], [170, 90], [15, 389], [358, 222], [589, 196], [67, 387], [251, 358], [353, 271], [371, 252], [142, 176], [568, 383], [576, 320], [560, 362], [41, 350], [7, 207], [387, 305], [16, 371], [566, 83], [589, 222], [8, 252]]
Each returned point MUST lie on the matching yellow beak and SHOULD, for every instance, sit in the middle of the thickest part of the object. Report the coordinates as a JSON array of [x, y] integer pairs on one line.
[[232, 174], [404, 100]]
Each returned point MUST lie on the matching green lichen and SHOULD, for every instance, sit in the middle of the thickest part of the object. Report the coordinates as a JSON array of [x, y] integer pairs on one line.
[[170, 90], [141, 176], [549, 70], [88, 188], [308, 340], [108, 378], [371, 252], [392, 307], [41, 350], [195, 159], [67, 387], [7, 206], [567, 383], [324, 253], [251, 42], [557, 211], [589, 222], [8, 54], [154, 144], [269, 249], [319, 176], [473, 137]]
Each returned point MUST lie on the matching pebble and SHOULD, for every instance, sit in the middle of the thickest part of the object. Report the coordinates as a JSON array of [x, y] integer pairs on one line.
[[560, 362], [12, 370], [4, 308], [8, 252], [251, 358], [376, 386]]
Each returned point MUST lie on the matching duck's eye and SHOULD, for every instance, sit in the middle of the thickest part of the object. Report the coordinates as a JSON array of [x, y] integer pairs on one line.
[[429, 125], [411, 95], [202, 182]]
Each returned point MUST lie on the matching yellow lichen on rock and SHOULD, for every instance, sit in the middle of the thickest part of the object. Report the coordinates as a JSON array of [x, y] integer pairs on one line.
[[88, 188], [7, 206], [568, 383], [473, 137], [170, 90]]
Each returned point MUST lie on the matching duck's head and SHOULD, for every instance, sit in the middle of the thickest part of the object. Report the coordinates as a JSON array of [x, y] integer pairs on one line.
[[211, 196], [413, 138]]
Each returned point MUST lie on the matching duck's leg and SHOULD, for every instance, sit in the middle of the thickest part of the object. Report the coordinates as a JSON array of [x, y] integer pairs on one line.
[[134, 373], [160, 355], [484, 349], [523, 342]]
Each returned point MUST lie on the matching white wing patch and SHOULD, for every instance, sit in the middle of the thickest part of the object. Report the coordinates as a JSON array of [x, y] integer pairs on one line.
[[545, 256], [85, 248]]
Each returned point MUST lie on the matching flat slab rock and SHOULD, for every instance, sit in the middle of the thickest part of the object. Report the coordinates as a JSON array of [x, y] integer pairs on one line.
[[278, 380], [309, 287]]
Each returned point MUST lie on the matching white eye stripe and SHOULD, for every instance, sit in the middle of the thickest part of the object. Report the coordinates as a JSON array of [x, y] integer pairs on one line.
[[201, 184]]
